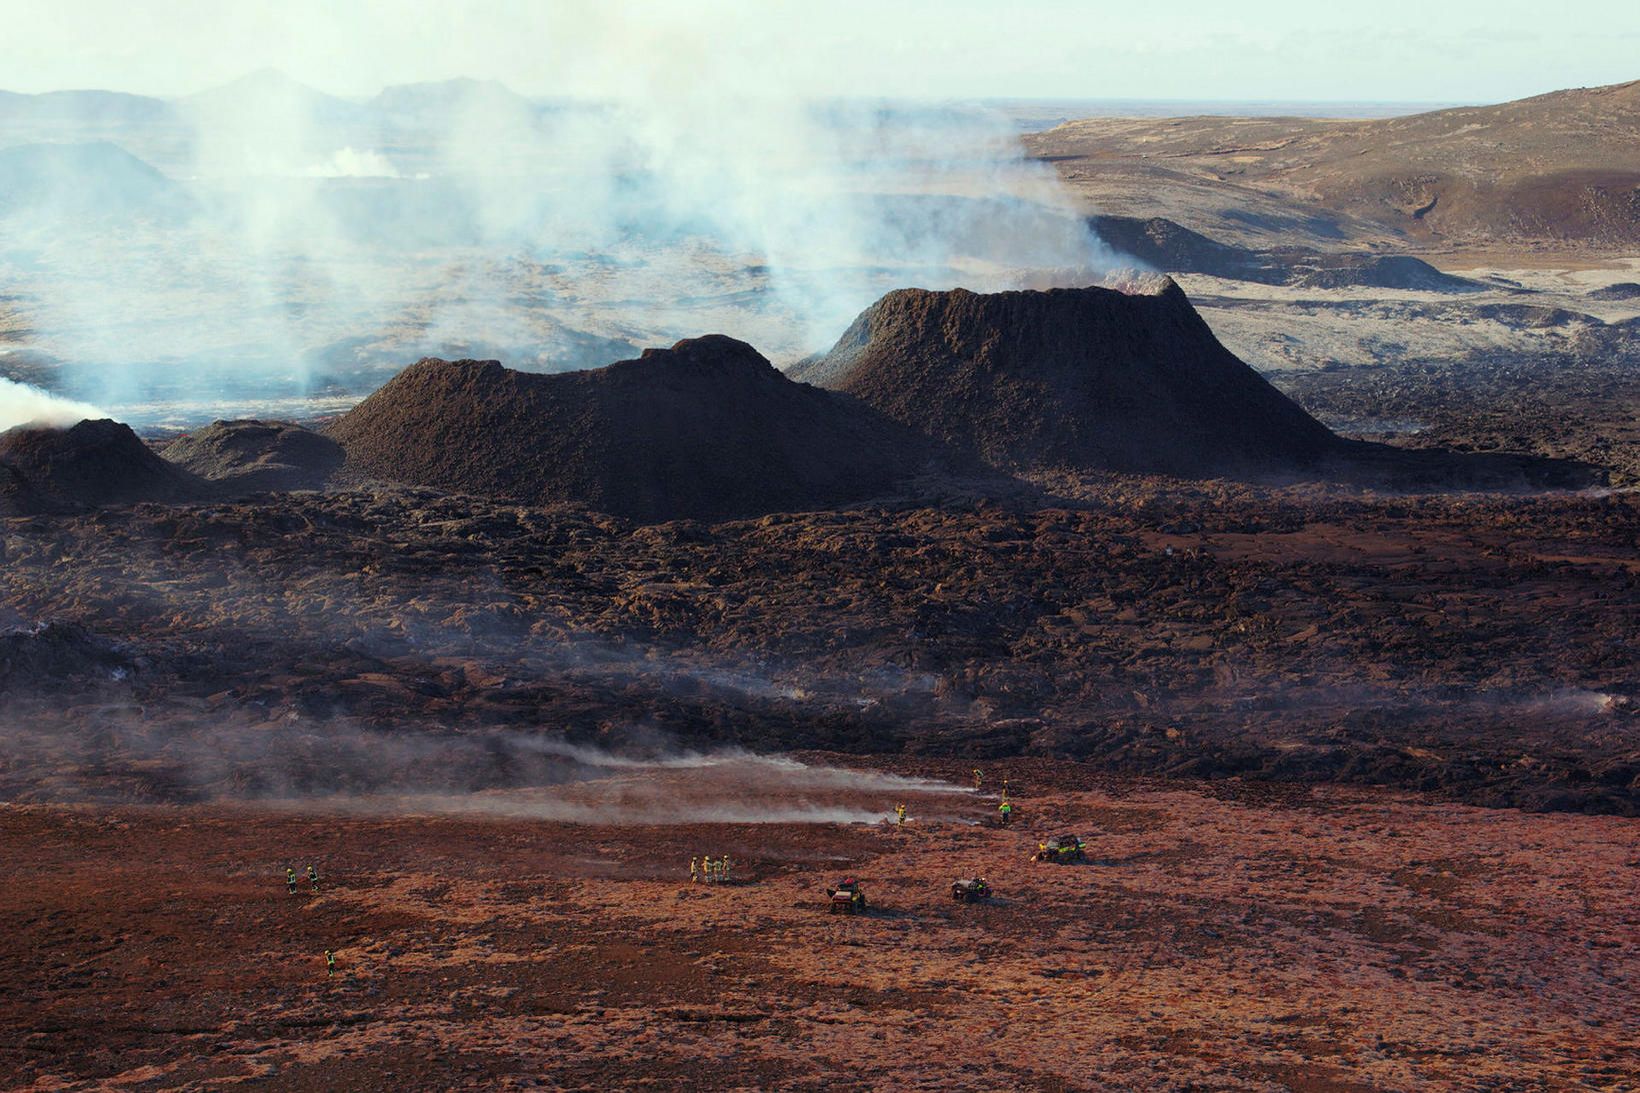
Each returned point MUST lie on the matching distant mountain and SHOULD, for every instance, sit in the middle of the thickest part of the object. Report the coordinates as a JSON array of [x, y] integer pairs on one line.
[[270, 93], [91, 108], [94, 181], [1560, 168]]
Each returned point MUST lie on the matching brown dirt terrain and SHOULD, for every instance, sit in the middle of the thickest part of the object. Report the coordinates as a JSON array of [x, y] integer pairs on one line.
[[1560, 171], [1221, 937]]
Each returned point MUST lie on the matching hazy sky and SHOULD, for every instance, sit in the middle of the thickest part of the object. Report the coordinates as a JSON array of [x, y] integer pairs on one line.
[[1423, 50]]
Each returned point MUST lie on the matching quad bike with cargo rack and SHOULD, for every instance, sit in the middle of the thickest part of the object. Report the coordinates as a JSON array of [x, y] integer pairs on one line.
[[846, 898], [1062, 849], [973, 890]]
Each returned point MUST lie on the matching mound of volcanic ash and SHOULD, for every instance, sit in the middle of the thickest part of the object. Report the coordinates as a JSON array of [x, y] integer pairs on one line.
[[1381, 271], [1622, 290], [1082, 379], [92, 464], [1174, 248], [258, 456], [708, 429]]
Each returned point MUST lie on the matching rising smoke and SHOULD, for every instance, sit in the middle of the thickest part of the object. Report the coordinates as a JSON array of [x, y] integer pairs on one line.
[[21, 404], [264, 240]]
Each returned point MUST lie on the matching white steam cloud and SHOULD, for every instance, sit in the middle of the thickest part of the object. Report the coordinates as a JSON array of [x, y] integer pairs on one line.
[[265, 240], [21, 404]]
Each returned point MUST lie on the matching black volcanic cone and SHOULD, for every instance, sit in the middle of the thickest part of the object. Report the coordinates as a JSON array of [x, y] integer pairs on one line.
[[708, 429], [92, 464], [1085, 378], [254, 456]]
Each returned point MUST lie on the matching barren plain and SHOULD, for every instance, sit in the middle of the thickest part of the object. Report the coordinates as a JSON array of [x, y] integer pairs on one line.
[[1224, 936]]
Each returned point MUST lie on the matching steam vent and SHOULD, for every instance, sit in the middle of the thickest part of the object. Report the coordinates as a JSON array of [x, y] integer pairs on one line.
[[1087, 378], [707, 429]]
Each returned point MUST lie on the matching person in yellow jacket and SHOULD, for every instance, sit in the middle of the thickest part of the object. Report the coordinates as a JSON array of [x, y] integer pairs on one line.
[[899, 815], [694, 870]]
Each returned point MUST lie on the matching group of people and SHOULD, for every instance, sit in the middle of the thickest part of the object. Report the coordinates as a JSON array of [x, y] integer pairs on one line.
[[312, 874], [709, 870], [312, 879]]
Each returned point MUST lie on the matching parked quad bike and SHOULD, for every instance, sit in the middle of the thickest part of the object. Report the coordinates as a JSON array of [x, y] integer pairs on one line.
[[970, 891], [846, 898], [1061, 849]]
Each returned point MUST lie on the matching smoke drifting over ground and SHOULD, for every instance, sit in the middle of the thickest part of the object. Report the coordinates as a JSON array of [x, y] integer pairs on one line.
[[265, 241], [340, 767]]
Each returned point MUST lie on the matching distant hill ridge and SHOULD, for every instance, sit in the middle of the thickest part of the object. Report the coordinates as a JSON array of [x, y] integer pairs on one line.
[[1562, 167]]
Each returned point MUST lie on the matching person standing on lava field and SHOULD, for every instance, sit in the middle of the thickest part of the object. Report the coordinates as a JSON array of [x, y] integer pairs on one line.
[[899, 815], [723, 863], [290, 879], [330, 963], [978, 778], [313, 878], [694, 870]]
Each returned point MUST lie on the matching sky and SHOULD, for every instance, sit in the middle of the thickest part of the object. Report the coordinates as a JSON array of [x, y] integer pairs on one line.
[[1239, 50]]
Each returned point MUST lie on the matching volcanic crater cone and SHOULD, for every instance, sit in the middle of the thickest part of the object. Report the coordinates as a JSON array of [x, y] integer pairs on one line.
[[707, 429], [1086, 378], [94, 463], [249, 456]]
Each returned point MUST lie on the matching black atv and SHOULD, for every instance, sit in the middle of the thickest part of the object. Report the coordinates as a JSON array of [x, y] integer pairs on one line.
[[1062, 849], [970, 891]]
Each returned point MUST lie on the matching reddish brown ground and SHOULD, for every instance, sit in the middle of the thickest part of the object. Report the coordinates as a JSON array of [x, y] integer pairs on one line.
[[1224, 936]]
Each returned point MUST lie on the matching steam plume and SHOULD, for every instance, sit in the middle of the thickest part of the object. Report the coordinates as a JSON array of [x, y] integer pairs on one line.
[[21, 404], [267, 241]]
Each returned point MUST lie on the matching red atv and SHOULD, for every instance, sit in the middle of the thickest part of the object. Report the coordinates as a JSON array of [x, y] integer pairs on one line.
[[846, 898]]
